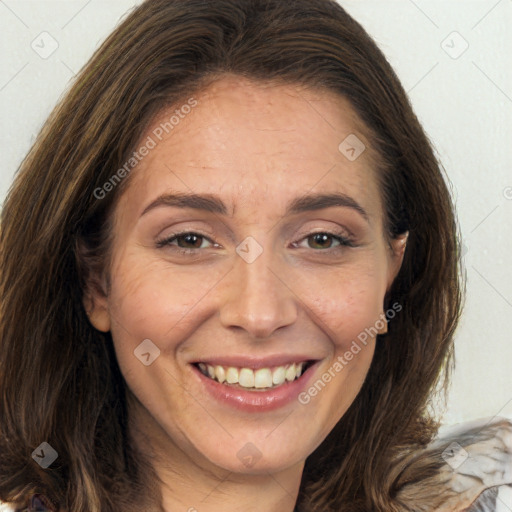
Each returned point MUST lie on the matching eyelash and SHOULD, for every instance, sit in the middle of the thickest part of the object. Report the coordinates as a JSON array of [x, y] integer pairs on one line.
[[343, 240]]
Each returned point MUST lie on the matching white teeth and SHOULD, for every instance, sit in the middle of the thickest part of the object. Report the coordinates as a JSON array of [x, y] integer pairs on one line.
[[291, 372], [232, 375], [279, 375], [248, 378], [263, 378], [220, 374]]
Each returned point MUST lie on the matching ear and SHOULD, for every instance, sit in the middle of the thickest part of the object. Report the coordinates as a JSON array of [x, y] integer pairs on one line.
[[396, 256], [95, 302]]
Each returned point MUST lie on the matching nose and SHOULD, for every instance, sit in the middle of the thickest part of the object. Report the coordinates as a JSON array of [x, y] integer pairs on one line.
[[257, 297]]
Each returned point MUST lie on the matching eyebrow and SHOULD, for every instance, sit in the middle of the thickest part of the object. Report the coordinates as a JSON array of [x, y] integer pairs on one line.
[[213, 204]]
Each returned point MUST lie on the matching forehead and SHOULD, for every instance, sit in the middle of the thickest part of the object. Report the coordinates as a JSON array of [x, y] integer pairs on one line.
[[259, 144]]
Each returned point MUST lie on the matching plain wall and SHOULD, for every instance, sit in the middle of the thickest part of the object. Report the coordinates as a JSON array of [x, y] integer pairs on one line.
[[461, 95]]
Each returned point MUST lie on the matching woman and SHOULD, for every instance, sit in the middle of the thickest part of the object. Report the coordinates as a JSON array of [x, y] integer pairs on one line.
[[200, 257]]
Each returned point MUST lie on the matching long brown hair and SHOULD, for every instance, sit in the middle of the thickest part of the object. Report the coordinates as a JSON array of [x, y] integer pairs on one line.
[[59, 379]]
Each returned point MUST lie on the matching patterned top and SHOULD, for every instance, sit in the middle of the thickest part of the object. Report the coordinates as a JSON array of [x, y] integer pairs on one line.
[[476, 475]]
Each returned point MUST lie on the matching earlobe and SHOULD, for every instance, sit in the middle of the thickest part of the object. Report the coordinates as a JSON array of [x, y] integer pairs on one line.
[[382, 324], [96, 307], [397, 245]]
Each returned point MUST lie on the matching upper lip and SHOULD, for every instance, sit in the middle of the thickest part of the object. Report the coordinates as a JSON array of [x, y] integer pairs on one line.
[[254, 362]]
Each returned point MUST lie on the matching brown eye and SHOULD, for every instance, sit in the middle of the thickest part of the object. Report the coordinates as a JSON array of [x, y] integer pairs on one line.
[[184, 242], [190, 239], [326, 240], [323, 240]]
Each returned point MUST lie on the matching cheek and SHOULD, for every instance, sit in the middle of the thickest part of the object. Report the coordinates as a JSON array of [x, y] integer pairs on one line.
[[151, 301], [347, 307], [346, 302]]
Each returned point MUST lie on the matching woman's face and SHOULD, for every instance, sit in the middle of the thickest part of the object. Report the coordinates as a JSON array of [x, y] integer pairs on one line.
[[233, 255]]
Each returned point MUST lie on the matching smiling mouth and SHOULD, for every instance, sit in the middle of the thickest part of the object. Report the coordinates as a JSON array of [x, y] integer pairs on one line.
[[261, 379]]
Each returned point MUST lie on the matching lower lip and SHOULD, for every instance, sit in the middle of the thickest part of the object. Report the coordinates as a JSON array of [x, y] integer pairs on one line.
[[256, 401]]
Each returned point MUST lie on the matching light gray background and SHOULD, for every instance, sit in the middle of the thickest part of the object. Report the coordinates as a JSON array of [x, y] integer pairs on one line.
[[463, 99]]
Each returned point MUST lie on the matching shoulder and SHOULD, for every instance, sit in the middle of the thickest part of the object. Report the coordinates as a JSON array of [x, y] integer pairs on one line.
[[468, 467], [479, 455], [495, 499]]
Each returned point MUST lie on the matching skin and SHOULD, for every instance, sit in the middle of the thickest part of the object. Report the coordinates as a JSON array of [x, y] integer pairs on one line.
[[257, 146]]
